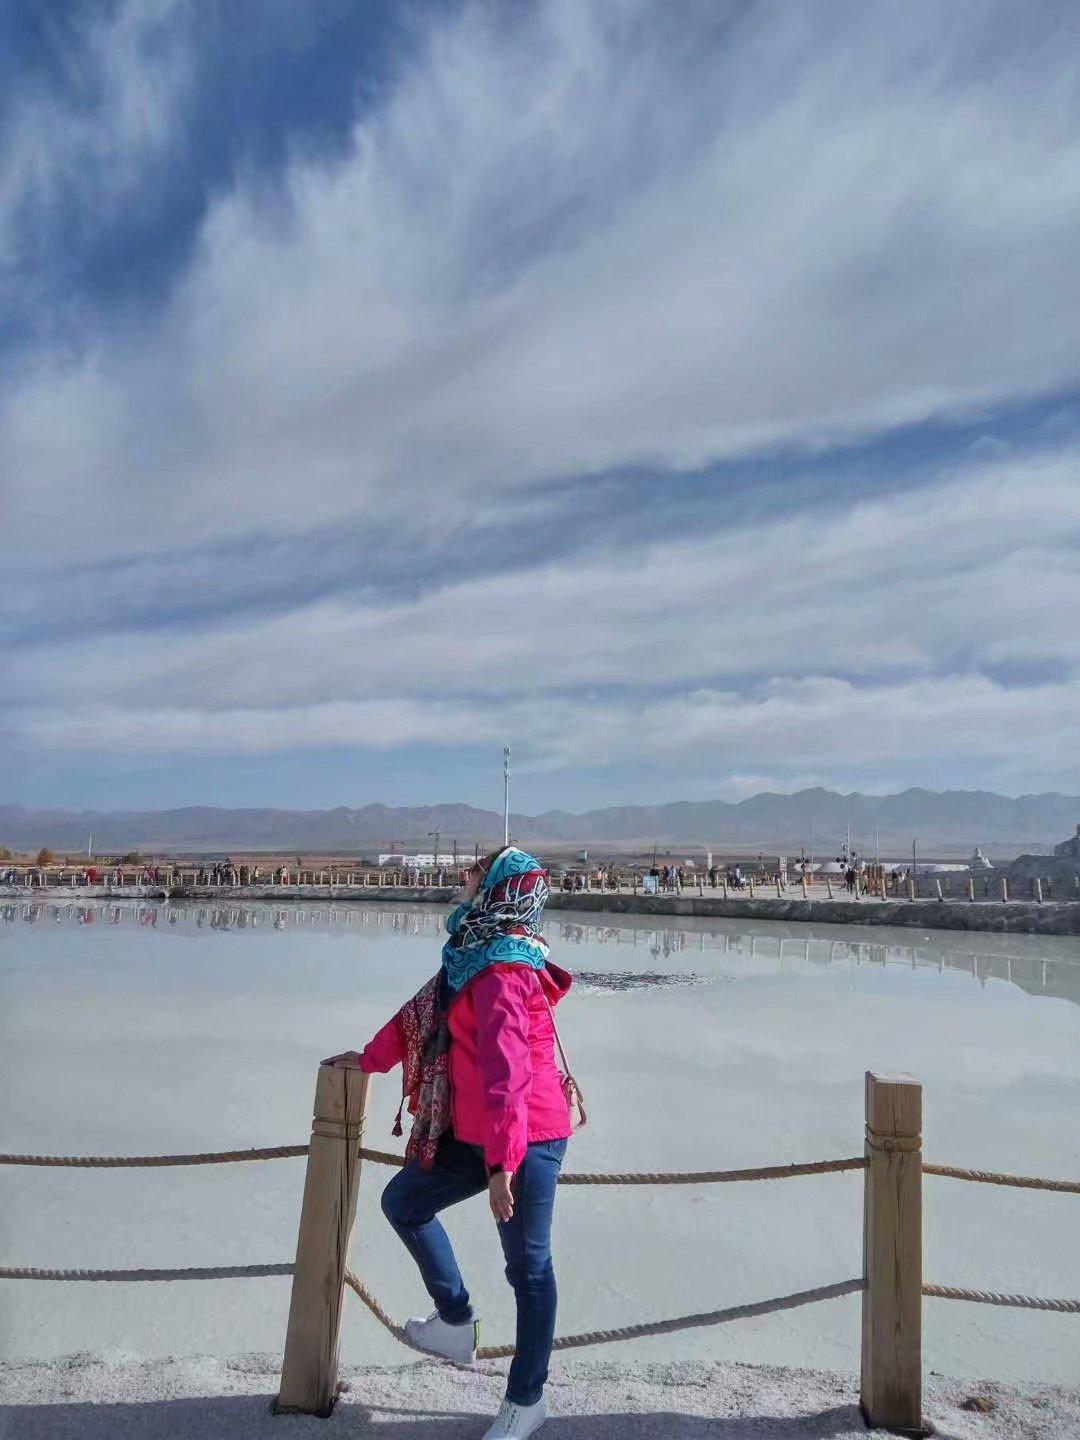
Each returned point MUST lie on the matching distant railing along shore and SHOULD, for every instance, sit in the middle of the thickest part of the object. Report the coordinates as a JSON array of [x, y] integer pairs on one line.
[[876, 883]]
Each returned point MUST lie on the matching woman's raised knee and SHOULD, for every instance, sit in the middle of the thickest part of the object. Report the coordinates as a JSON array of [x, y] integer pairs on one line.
[[393, 1201]]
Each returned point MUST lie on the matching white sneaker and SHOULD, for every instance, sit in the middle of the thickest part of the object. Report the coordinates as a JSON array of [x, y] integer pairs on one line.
[[452, 1342], [515, 1422]]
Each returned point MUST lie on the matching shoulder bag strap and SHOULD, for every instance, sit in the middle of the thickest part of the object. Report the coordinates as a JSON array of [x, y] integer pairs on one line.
[[558, 1039]]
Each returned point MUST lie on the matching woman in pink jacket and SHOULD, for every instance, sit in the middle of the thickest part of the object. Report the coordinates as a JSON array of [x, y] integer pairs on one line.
[[477, 1049]]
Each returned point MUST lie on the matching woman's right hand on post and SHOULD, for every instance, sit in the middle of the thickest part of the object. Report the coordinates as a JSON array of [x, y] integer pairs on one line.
[[347, 1060]]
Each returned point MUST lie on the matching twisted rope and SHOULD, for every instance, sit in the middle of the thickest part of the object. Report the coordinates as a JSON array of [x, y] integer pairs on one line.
[[670, 1177], [117, 1162], [992, 1177], [647, 1177], [994, 1297], [630, 1332], [194, 1272], [386, 1157]]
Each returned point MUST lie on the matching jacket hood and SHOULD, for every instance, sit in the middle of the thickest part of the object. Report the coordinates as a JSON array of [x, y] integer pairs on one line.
[[555, 981]]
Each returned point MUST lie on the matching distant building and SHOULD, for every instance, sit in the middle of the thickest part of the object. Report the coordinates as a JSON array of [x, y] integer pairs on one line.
[[422, 861], [1069, 849]]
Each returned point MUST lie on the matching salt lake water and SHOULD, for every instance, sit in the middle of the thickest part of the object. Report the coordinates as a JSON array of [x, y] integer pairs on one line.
[[139, 1028]]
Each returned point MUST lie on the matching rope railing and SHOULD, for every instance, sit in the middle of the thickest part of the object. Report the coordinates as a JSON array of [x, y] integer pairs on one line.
[[995, 1297], [589, 1337], [892, 1282], [645, 1177], [120, 1162], [631, 1332], [993, 1177], [191, 1272]]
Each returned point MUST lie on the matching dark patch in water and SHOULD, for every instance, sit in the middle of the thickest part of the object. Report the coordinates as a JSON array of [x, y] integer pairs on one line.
[[634, 979]]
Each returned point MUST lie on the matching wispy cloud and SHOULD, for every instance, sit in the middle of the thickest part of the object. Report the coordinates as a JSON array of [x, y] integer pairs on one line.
[[570, 243]]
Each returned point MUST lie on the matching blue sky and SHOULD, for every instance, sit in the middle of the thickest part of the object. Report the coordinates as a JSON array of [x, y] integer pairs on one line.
[[688, 396]]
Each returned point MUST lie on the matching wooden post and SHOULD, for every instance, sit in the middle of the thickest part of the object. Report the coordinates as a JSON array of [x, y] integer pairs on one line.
[[892, 1255], [940, 896], [911, 887], [1038, 890], [971, 889], [778, 887], [1004, 890], [312, 1341], [805, 890], [750, 882], [828, 885]]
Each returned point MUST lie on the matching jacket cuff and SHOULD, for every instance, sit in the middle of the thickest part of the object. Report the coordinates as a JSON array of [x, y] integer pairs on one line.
[[507, 1156]]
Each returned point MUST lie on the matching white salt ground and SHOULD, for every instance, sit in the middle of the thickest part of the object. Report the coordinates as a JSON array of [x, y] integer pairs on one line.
[[85, 1397]]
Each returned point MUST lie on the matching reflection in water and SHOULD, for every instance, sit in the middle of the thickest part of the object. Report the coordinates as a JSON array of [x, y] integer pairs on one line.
[[763, 945]]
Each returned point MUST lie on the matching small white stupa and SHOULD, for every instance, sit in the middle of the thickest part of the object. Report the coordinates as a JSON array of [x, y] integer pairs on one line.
[[979, 861]]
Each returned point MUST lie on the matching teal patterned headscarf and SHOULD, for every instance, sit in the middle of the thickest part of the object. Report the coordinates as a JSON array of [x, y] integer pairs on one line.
[[502, 923]]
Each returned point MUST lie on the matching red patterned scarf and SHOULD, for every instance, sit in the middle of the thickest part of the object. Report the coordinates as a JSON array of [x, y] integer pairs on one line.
[[425, 1036]]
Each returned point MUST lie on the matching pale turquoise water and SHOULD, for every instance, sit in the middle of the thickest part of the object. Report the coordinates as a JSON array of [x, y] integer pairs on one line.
[[128, 1028]]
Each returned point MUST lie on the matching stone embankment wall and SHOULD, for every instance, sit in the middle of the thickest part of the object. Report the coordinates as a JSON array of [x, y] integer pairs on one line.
[[1017, 917]]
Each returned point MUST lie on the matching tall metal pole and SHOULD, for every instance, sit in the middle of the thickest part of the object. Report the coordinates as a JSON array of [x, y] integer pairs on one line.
[[506, 794], [914, 862]]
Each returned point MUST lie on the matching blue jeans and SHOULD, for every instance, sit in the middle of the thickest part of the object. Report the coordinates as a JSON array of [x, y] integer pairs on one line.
[[411, 1202]]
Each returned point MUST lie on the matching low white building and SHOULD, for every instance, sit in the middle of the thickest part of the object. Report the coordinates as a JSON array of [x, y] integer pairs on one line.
[[422, 861]]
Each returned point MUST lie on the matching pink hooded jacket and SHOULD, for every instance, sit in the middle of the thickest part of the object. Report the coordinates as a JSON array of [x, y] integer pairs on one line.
[[505, 1090]]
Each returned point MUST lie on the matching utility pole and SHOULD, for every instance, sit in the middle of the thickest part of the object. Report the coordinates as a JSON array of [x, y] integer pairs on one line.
[[914, 862], [506, 795], [434, 834], [90, 846]]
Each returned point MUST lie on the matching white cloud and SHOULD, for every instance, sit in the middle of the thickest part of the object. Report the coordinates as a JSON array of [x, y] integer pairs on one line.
[[572, 243], [59, 146], [830, 726], [612, 660], [971, 572], [567, 244]]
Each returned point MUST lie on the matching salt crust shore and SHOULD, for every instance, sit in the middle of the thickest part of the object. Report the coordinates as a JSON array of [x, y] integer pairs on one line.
[[121, 1397]]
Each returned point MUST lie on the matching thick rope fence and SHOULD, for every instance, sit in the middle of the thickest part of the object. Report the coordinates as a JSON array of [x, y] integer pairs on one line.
[[590, 1337], [891, 1285], [646, 1177]]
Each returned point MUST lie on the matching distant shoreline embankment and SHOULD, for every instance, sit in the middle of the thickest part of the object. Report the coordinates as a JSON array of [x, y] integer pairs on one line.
[[1014, 917]]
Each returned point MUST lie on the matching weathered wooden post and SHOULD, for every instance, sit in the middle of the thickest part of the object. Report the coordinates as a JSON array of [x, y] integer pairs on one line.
[[805, 887], [1004, 890], [971, 889], [828, 885], [312, 1341], [1038, 890], [911, 887], [940, 896], [891, 1391]]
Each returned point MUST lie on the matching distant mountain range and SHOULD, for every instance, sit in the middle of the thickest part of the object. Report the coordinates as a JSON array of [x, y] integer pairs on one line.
[[951, 821]]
